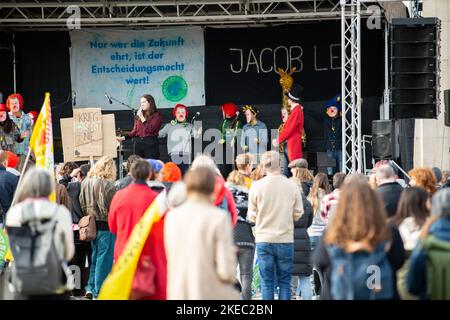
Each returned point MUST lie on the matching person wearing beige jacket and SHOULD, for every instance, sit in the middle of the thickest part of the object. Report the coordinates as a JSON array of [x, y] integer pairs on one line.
[[201, 258], [275, 202]]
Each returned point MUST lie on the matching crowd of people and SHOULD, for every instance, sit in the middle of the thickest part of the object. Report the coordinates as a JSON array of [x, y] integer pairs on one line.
[[267, 229], [246, 237]]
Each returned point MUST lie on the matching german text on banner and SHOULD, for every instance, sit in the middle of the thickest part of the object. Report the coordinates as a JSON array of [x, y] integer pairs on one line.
[[166, 63]]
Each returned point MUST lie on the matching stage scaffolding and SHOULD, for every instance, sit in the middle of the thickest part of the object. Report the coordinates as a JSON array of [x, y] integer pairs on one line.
[[135, 14]]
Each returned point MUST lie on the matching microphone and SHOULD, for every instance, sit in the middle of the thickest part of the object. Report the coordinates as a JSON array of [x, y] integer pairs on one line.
[[195, 116], [74, 98], [108, 97], [237, 113]]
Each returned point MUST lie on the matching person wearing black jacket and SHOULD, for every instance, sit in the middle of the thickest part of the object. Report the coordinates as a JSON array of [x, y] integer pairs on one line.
[[127, 180], [302, 268], [389, 189], [243, 235], [83, 249], [366, 208], [8, 185], [331, 120]]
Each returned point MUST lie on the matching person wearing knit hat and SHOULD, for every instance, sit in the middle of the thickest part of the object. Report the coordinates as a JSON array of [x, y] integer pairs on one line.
[[13, 161], [331, 120], [157, 165], [9, 133], [254, 133], [23, 122], [179, 133], [230, 129]]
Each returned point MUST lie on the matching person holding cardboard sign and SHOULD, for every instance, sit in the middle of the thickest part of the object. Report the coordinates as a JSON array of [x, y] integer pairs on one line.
[[146, 127]]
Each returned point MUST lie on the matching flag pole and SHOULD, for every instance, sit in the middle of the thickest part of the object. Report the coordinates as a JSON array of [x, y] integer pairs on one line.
[[21, 176]]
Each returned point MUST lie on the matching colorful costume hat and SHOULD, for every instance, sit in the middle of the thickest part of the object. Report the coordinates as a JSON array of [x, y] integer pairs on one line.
[[251, 108], [174, 111], [295, 93], [334, 102], [34, 115], [13, 160], [230, 109], [14, 96]]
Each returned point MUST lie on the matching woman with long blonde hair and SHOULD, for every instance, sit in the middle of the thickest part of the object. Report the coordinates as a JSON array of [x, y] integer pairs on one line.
[[359, 233], [306, 178], [96, 194], [319, 189]]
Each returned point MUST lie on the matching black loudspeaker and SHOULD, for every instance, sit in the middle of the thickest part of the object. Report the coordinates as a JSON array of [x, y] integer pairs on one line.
[[384, 139], [447, 107], [415, 67]]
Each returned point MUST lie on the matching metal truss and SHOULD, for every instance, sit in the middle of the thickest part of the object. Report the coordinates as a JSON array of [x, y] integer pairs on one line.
[[135, 13], [94, 13], [351, 86]]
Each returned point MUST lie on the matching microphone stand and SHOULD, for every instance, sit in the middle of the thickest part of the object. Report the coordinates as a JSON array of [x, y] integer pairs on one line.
[[134, 111], [124, 104], [190, 139]]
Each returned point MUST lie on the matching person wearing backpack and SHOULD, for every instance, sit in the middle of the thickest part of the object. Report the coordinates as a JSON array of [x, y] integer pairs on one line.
[[39, 270], [430, 260], [359, 252]]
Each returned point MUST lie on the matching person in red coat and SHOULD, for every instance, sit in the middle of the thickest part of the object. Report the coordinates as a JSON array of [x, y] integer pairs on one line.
[[292, 131], [126, 209]]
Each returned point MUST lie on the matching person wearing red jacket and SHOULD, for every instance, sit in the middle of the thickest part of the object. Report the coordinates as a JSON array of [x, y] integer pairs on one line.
[[127, 208], [292, 131]]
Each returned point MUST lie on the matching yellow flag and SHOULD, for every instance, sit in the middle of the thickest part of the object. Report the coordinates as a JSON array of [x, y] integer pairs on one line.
[[41, 141], [117, 286]]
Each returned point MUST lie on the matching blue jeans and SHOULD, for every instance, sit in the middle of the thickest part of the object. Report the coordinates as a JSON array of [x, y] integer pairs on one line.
[[101, 261], [301, 286], [337, 155], [284, 163], [313, 240], [279, 257]]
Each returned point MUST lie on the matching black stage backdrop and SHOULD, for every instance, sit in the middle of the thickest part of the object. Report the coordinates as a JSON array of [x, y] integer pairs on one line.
[[314, 48], [6, 65], [241, 62]]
